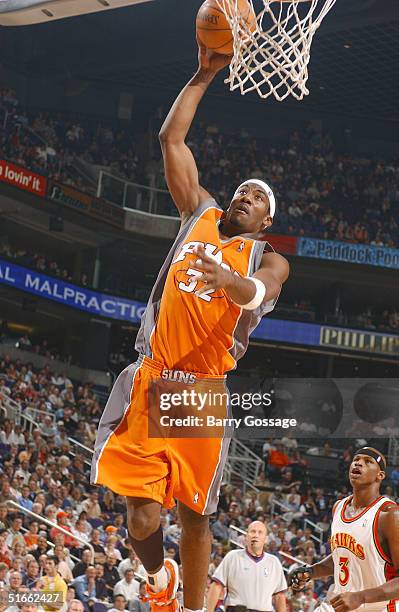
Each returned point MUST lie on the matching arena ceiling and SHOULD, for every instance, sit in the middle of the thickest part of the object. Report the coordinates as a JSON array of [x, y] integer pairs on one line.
[[354, 68]]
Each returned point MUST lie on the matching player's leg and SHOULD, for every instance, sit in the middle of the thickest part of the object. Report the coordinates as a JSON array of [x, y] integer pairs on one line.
[[143, 523], [145, 533], [195, 552]]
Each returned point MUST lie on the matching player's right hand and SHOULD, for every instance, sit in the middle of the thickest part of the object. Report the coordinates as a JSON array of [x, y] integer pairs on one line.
[[299, 577], [210, 60]]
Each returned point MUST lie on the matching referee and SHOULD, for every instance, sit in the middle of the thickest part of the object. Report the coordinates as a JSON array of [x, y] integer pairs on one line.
[[251, 577]]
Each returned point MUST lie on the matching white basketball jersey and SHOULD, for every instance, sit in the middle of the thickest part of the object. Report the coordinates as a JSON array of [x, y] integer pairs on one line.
[[359, 560]]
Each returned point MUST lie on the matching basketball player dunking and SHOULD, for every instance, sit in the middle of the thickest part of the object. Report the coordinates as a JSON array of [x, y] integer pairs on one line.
[[212, 291], [364, 543]]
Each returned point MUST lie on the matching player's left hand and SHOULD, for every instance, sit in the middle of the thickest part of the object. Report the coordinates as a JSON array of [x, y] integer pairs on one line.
[[347, 601], [214, 276]]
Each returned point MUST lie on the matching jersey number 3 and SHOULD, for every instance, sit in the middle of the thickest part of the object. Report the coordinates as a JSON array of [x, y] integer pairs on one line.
[[191, 285], [344, 571]]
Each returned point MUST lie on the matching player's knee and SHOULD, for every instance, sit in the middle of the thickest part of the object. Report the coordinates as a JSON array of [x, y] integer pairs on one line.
[[142, 524], [197, 527]]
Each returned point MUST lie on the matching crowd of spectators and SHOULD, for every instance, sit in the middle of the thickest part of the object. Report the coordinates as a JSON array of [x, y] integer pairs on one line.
[[70, 408], [385, 320], [42, 471], [48, 142], [320, 192], [39, 261]]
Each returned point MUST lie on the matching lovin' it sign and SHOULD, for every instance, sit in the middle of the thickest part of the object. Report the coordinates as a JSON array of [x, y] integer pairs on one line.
[[22, 178]]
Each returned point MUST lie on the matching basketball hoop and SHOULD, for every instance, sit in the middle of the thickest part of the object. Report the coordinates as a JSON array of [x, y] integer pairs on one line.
[[273, 58]]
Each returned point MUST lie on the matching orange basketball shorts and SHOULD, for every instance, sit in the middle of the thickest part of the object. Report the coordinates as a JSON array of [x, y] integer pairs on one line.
[[135, 457]]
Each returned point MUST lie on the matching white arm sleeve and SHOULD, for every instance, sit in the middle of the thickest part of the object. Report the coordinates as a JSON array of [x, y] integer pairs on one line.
[[281, 581], [222, 571]]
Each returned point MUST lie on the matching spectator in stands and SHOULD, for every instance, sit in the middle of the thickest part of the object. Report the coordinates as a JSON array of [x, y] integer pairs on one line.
[[8, 435], [63, 521], [138, 605], [15, 581], [91, 506], [101, 587], [81, 530], [64, 570], [15, 531], [120, 604], [32, 574], [320, 501], [99, 552], [3, 575], [74, 605], [395, 480], [41, 548], [25, 500], [111, 575], [278, 459], [119, 520], [47, 427], [85, 585], [111, 542], [132, 562], [4, 522], [219, 528], [128, 586], [81, 567]]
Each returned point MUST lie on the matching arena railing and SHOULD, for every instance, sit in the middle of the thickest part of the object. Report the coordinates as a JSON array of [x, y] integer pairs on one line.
[[319, 529], [52, 545], [229, 473], [244, 461], [14, 413], [31, 411], [46, 521], [86, 454], [276, 502], [127, 194]]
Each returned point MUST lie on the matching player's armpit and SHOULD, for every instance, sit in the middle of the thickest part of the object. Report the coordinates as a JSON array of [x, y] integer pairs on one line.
[[273, 272], [389, 530], [182, 176]]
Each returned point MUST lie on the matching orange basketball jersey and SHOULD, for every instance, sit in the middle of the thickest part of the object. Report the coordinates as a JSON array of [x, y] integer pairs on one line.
[[207, 333]]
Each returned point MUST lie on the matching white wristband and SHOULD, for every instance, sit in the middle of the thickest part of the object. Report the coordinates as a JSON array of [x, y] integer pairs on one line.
[[258, 297]]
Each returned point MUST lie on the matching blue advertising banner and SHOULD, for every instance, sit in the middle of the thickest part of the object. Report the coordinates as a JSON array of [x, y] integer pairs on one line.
[[347, 252], [87, 300], [121, 309], [292, 332]]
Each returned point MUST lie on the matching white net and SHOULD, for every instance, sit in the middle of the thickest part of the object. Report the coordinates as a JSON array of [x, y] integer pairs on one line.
[[272, 55]]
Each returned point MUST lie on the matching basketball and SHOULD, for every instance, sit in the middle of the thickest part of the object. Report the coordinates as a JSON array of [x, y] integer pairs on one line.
[[213, 28]]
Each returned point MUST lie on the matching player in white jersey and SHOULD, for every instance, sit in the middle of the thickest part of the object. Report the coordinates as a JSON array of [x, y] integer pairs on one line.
[[364, 543]]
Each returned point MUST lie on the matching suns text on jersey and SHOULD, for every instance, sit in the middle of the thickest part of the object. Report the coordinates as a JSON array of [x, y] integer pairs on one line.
[[344, 540], [210, 249]]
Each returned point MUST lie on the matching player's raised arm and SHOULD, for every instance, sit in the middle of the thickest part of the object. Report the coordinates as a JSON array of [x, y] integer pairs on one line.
[[180, 167]]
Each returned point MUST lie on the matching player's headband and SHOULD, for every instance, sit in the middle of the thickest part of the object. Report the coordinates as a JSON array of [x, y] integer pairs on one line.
[[366, 450], [265, 187]]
